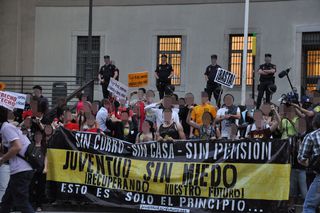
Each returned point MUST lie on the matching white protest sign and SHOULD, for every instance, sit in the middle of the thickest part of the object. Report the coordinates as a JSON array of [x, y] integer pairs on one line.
[[225, 78], [118, 89], [12, 100]]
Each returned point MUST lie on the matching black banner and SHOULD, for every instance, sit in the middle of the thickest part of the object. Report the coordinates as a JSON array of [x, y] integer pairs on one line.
[[182, 176]]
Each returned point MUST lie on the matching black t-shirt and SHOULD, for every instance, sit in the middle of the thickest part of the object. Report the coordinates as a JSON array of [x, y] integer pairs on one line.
[[164, 72], [211, 72], [107, 71], [269, 77]]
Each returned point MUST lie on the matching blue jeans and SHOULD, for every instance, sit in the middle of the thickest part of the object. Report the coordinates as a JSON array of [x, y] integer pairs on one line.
[[312, 200], [17, 193], [298, 183], [4, 179]]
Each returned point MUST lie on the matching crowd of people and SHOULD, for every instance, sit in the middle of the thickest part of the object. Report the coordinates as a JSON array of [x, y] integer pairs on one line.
[[139, 119]]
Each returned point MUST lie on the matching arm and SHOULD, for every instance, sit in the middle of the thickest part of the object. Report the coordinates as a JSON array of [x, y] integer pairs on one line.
[[218, 133], [219, 118], [274, 126], [152, 106], [45, 169], [305, 151], [180, 131], [116, 73], [299, 113], [262, 72], [304, 111], [277, 118], [13, 151], [206, 77], [190, 122], [156, 73], [171, 74], [237, 116], [271, 71]]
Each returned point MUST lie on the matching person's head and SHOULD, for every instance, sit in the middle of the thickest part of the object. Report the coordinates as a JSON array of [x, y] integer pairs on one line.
[[37, 91], [167, 115], [107, 59], [136, 109], [167, 101], [258, 118], [106, 103], [3, 114], [182, 102], [228, 100], [164, 59], [82, 97], [147, 127], [316, 121], [189, 97], [267, 58], [287, 111], [125, 116], [38, 135], [214, 59], [207, 118], [67, 116], [150, 96], [306, 102], [141, 93], [204, 97], [175, 99]]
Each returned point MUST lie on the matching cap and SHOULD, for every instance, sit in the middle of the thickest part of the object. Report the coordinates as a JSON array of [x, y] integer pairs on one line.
[[267, 55], [305, 99], [214, 56], [106, 57]]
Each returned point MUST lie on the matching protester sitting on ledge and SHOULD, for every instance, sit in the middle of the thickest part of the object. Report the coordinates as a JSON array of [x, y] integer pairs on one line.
[[147, 133], [208, 129], [169, 130]]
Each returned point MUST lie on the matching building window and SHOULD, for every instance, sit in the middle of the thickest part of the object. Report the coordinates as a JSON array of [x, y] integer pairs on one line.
[[235, 58], [310, 61], [82, 55], [172, 47]]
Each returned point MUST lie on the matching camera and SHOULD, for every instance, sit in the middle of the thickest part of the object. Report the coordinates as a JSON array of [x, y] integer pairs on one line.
[[290, 97]]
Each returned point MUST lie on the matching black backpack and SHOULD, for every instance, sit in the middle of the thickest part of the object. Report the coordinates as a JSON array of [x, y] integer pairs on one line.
[[33, 155]]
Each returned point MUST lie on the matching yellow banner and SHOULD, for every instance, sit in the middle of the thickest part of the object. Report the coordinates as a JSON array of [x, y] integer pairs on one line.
[[221, 180], [138, 79]]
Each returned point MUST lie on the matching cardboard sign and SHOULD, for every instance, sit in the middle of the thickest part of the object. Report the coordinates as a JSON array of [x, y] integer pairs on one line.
[[118, 89], [225, 78], [12, 100], [138, 79]]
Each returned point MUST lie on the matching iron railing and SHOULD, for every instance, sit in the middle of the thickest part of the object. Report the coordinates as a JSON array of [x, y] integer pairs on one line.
[[50, 85]]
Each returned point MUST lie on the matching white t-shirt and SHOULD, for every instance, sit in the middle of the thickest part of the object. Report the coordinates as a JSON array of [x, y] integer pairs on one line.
[[101, 118], [159, 114], [226, 124], [10, 133]]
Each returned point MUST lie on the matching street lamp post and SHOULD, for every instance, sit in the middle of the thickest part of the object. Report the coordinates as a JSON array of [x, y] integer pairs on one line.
[[88, 76], [244, 54]]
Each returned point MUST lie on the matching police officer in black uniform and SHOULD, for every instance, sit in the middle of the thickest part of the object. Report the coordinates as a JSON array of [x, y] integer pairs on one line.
[[210, 75], [266, 71], [163, 74], [107, 71]]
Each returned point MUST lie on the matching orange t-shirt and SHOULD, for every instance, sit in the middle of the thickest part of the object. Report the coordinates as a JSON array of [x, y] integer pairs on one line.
[[197, 112]]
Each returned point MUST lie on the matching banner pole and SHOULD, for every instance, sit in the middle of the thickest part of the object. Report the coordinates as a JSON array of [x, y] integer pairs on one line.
[[244, 54]]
